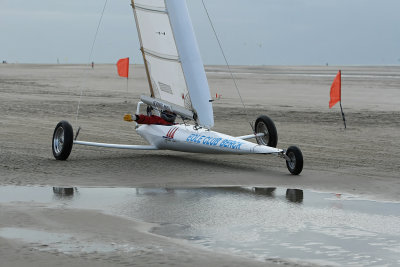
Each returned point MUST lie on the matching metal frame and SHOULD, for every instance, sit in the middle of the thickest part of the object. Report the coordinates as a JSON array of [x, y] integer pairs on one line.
[[120, 146]]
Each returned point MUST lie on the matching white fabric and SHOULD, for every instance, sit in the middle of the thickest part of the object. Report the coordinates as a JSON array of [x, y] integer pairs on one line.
[[161, 54], [166, 72], [174, 63], [156, 33]]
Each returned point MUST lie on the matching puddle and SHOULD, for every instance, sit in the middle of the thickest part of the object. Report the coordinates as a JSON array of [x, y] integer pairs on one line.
[[261, 223]]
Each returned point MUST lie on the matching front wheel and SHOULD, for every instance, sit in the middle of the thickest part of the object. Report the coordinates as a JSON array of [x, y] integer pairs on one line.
[[63, 139], [294, 161]]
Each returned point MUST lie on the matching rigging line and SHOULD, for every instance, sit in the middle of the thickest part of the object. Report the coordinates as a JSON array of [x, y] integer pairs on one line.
[[97, 31], [90, 58], [227, 64]]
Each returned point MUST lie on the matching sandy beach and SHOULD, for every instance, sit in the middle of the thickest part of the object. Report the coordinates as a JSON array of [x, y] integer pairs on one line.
[[363, 160]]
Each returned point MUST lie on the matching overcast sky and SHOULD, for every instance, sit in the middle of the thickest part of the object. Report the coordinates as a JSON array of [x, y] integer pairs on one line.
[[253, 32]]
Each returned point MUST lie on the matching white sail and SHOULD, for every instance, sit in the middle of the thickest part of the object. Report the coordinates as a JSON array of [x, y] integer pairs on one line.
[[172, 59]]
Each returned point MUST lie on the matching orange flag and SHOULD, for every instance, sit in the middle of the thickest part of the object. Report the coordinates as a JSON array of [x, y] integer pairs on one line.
[[336, 90], [123, 67]]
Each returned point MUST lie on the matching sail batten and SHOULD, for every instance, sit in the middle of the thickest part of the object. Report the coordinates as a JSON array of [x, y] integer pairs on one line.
[[150, 8], [161, 56], [173, 64]]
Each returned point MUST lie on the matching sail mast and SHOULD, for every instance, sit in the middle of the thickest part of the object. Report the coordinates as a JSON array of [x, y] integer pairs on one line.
[[142, 50], [192, 63]]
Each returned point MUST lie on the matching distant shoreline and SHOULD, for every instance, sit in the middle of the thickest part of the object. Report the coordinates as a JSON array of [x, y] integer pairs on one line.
[[211, 65]]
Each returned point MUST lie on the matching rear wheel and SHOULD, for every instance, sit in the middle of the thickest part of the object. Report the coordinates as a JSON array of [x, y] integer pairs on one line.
[[266, 126], [62, 140], [294, 162]]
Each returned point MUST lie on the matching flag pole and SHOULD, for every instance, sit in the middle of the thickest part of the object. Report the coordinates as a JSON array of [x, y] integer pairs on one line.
[[127, 86], [336, 94], [344, 119], [340, 102]]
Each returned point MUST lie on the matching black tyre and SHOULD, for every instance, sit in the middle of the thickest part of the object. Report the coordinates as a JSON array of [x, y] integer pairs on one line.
[[266, 126], [295, 162], [63, 139]]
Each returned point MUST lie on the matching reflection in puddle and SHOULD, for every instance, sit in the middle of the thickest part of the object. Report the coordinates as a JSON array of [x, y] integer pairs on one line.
[[64, 192], [266, 191], [294, 195], [261, 223]]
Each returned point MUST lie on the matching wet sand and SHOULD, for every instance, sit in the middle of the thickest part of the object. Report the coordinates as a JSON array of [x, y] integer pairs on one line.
[[363, 160]]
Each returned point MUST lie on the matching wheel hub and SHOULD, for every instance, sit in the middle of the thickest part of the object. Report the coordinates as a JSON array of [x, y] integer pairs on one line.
[[59, 140], [262, 128], [292, 160]]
